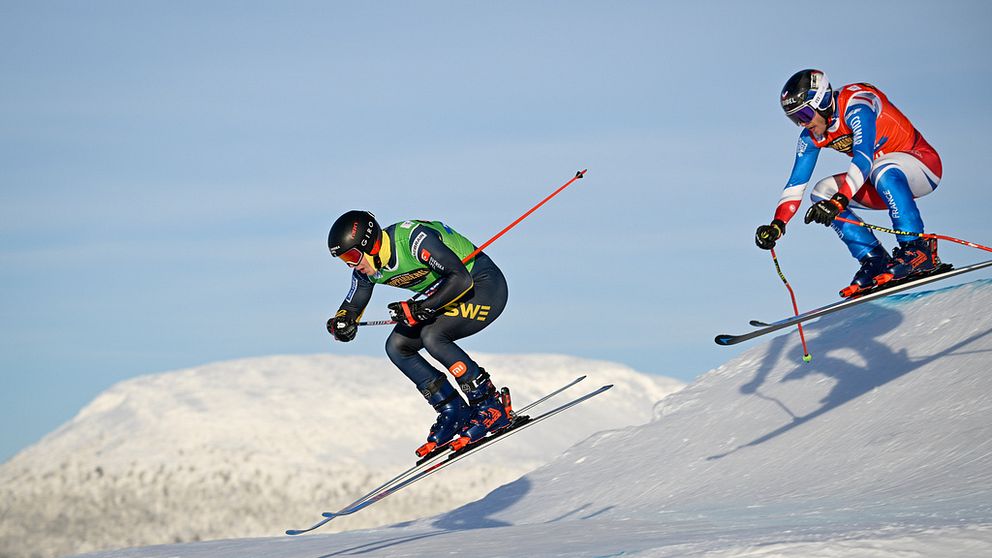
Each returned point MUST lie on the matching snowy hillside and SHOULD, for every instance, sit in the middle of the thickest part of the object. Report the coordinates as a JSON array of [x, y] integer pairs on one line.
[[251, 447], [881, 447]]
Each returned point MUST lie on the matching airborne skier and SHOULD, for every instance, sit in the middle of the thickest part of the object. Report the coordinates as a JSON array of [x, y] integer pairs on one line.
[[892, 165], [462, 299], [464, 292]]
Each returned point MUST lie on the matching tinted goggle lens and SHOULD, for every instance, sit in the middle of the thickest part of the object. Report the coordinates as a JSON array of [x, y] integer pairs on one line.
[[352, 257], [802, 115]]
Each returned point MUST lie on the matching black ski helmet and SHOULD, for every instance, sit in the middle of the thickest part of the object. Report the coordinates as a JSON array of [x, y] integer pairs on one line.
[[806, 93], [353, 234]]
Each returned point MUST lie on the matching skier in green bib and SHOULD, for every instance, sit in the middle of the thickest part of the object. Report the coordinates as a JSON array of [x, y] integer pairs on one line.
[[455, 299]]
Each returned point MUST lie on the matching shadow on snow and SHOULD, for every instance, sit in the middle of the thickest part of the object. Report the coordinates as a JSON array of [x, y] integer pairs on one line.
[[882, 364]]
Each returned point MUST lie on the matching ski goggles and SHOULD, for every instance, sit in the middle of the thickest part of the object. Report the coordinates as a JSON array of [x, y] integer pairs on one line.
[[352, 257], [802, 115]]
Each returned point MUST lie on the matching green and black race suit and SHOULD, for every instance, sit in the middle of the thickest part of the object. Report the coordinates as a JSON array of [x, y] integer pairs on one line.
[[426, 256]]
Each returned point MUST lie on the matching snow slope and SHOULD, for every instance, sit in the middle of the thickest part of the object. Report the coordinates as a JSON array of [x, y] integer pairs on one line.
[[881, 447], [251, 447]]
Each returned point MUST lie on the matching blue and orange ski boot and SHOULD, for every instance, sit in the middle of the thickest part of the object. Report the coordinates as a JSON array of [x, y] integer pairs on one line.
[[911, 259], [453, 416], [873, 264], [491, 410]]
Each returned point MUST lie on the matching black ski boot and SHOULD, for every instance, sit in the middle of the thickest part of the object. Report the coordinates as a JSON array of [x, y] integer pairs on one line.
[[490, 412], [874, 263], [453, 415], [910, 259]]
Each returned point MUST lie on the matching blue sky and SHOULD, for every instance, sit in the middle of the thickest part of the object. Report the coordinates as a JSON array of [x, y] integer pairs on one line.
[[169, 170]]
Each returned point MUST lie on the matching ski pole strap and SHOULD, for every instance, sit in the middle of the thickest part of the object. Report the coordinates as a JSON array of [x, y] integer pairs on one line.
[[921, 235], [795, 307]]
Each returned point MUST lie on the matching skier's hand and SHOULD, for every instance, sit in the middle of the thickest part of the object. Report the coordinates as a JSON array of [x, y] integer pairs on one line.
[[766, 235], [342, 326], [824, 211], [410, 312]]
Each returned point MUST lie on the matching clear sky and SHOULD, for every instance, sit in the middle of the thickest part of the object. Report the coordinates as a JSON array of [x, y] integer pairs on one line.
[[169, 170]]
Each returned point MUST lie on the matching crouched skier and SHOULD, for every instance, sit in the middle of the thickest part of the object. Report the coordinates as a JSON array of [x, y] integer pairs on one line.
[[891, 166], [462, 299]]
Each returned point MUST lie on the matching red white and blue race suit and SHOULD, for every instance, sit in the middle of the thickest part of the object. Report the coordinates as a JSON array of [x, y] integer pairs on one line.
[[891, 166]]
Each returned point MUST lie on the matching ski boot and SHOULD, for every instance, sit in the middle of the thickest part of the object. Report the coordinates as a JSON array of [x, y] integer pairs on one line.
[[453, 415], [913, 258], [491, 410], [874, 263]]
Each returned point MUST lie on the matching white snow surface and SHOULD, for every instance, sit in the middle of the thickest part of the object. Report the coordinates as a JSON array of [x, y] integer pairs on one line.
[[881, 447], [249, 448]]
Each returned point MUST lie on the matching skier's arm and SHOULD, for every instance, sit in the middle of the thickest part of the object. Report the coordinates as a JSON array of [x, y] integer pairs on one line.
[[802, 170], [454, 278], [359, 295], [861, 114], [344, 325]]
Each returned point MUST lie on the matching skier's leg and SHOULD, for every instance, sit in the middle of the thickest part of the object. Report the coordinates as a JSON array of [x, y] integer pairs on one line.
[[402, 347], [468, 316], [900, 178], [891, 184], [861, 242]]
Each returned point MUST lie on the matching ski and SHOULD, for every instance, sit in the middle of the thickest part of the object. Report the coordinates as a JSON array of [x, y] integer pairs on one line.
[[427, 461], [766, 327], [444, 448], [454, 457]]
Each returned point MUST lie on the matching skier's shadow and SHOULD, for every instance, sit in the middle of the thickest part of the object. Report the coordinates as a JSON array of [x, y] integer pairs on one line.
[[476, 514], [881, 364], [471, 516], [375, 546]]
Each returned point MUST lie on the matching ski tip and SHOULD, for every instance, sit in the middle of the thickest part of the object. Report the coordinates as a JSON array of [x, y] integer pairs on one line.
[[580, 378], [758, 323], [329, 514], [606, 387], [724, 339], [293, 532]]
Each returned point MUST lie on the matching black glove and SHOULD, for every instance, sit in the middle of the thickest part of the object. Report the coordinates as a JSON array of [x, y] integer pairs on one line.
[[342, 326], [766, 235], [824, 211], [410, 312]]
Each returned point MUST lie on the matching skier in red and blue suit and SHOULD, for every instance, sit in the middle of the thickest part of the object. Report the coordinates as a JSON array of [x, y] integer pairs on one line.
[[892, 165]]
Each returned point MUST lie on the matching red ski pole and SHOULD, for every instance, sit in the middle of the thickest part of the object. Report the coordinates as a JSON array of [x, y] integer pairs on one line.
[[795, 307], [577, 176], [921, 235], [468, 258]]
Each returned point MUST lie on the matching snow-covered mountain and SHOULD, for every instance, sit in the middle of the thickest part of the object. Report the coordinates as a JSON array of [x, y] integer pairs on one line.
[[880, 447], [255, 446]]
